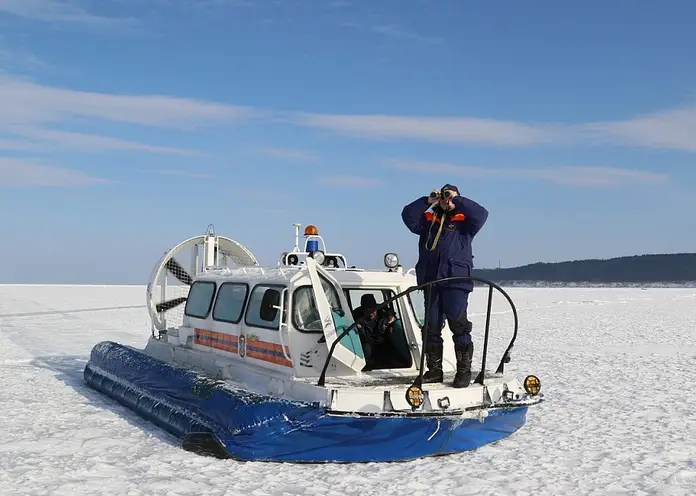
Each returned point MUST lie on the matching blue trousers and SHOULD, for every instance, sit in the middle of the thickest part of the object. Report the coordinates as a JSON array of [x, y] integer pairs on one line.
[[450, 304]]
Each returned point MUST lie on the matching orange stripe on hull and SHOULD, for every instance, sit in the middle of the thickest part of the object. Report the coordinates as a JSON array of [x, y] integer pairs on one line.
[[257, 349], [268, 352], [217, 340]]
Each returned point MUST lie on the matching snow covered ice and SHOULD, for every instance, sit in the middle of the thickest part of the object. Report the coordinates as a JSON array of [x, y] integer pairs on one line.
[[616, 366]]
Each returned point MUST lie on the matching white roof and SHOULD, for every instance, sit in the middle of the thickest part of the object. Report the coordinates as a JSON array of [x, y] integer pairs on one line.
[[297, 275]]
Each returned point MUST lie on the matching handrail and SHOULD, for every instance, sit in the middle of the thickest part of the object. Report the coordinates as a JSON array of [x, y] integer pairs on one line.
[[424, 330], [281, 308]]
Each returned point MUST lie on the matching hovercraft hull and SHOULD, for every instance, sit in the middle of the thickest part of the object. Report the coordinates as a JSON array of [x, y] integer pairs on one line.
[[212, 418]]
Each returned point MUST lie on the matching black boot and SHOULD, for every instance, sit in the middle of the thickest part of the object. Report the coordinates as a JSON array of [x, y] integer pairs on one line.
[[464, 354], [433, 360]]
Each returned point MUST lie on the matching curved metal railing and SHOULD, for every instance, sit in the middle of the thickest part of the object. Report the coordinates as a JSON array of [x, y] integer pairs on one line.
[[424, 329]]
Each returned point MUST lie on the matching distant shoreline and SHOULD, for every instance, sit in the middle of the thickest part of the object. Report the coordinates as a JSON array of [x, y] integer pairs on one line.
[[655, 270], [607, 285]]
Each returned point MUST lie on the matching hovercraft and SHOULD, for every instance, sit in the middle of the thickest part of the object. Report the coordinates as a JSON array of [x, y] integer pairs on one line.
[[266, 363]]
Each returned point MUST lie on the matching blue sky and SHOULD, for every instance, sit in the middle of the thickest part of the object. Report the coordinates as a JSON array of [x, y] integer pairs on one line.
[[129, 125]]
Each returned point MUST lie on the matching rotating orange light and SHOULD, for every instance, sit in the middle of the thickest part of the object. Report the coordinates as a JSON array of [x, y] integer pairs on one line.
[[311, 231]]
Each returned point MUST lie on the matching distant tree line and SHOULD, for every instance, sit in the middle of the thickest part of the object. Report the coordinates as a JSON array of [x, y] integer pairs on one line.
[[664, 268]]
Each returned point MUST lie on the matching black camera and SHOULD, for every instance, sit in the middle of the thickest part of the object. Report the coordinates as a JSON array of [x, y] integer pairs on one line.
[[384, 315]]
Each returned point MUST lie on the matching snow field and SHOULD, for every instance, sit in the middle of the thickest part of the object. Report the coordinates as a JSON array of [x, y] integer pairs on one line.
[[616, 365]]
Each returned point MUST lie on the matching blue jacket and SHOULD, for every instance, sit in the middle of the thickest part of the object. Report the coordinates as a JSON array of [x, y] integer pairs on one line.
[[452, 255]]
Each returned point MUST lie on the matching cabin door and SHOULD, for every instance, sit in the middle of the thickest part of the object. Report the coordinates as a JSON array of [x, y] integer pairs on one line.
[[336, 316]]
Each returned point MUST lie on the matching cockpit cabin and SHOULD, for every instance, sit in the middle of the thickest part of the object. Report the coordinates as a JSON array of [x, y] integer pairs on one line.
[[283, 320]]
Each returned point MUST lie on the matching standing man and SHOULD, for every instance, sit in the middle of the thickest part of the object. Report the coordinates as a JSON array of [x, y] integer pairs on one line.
[[444, 250]]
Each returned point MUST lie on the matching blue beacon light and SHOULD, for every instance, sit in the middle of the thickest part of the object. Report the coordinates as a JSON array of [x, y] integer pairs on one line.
[[311, 245]]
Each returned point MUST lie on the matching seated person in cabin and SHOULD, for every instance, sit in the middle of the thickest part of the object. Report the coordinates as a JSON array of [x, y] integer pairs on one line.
[[374, 330]]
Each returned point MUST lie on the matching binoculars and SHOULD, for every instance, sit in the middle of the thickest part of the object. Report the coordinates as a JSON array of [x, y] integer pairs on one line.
[[444, 194]]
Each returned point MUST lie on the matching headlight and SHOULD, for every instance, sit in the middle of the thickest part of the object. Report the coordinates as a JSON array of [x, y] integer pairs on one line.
[[532, 385], [391, 260], [318, 256]]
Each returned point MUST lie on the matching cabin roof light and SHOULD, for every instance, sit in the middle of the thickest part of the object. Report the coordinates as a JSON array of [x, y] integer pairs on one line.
[[318, 255], [391, 260]]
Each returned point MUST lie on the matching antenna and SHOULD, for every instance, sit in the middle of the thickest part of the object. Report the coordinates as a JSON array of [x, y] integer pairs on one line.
[[297, 237]]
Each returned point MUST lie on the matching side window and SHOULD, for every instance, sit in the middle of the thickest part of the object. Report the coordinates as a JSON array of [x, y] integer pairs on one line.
[[330, 293], [341, 316], [417, 300], [394, 305], [200, 299], [261, 311], [230, 302], [305, 314], [360, 297]]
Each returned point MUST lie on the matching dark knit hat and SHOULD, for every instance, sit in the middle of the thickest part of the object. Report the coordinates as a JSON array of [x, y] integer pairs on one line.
[[450, 187]]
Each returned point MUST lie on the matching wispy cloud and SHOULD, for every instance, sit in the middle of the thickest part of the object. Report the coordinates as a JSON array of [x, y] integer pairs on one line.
[[45, 140], [14, 58], [289, 153], [15, 145], [349, 182], [392, 31], [30, 111], [672, 129], [24, 101], [222, 3], [574, 176], [22, 173], [190, 5], [675, 129], [61, 11], [180, 173], [437, 129], [33, 112], [595, 176], [397, 31]]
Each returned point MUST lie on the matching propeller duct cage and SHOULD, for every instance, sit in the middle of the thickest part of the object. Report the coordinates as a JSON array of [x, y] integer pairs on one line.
[[173, 274]]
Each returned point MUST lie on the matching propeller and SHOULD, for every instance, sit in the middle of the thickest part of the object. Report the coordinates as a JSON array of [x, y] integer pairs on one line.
[[180, 273], [169, 304]]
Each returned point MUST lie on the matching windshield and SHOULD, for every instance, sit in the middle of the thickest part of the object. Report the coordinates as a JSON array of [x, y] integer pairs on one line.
[[306, 314], [417, 300]]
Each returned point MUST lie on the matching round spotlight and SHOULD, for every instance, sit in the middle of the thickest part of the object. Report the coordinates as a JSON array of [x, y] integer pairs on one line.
[[391, 260], [318, 256], [415, 396], [532, 385]]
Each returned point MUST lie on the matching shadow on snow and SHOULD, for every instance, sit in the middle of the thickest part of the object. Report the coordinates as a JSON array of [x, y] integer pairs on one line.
[[69, 369]]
